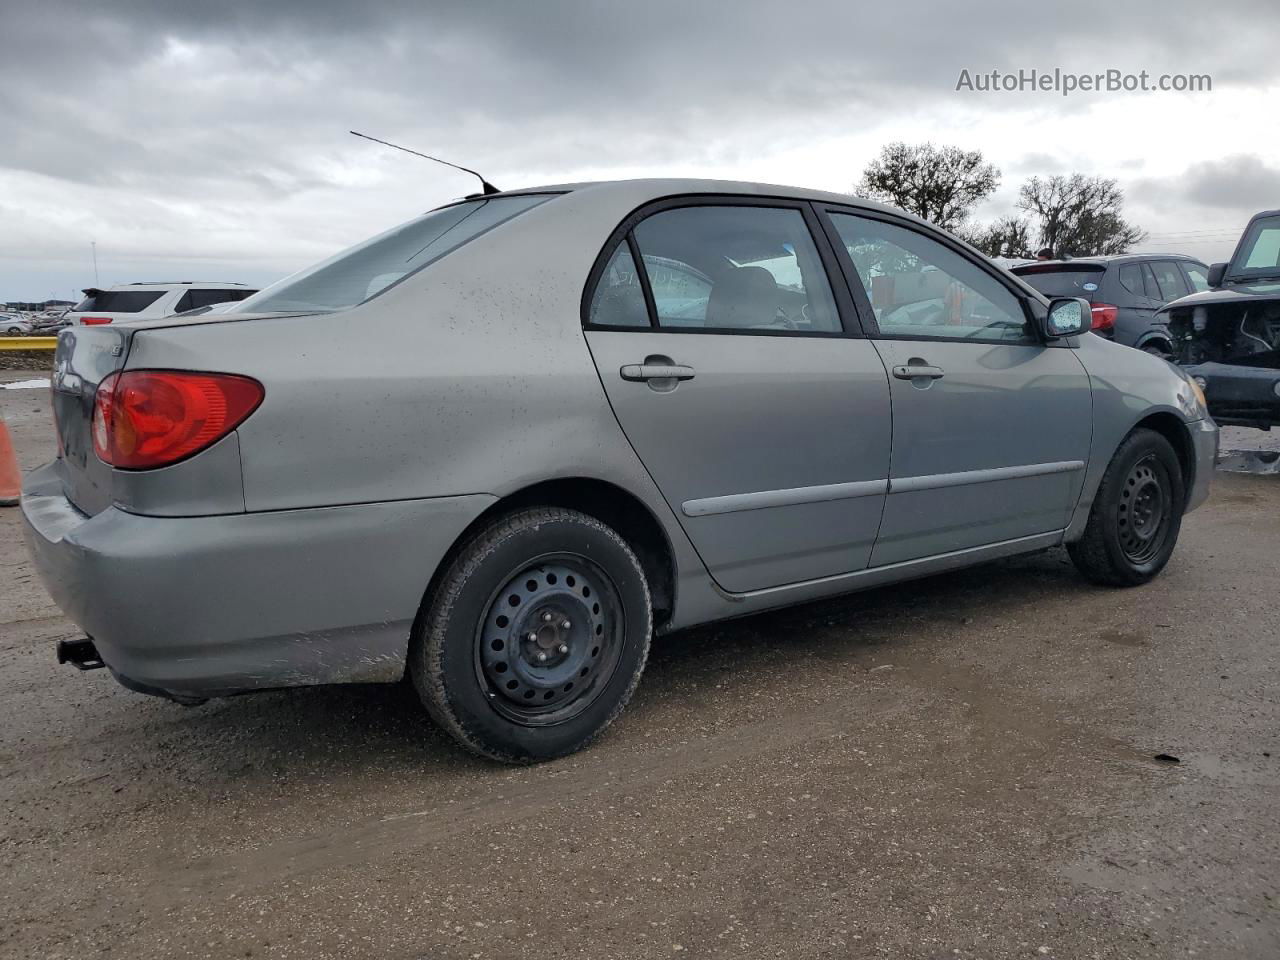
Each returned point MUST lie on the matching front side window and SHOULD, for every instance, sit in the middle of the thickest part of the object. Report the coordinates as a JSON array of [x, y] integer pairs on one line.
[[752, 269], [1259, 254], [365, 270], [919, 287], [1198, 276]]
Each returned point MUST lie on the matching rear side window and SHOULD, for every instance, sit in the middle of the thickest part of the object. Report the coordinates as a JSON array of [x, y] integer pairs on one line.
[[195, 299], [365, 270], [736, 267], [1064, 281], [118, 301], [1131, 279], [618, 300], [1169, 277]]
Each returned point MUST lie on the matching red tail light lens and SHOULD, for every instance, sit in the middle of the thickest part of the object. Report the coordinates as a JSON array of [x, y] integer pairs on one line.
[[1104, 317], [151, 418], [94, 321]]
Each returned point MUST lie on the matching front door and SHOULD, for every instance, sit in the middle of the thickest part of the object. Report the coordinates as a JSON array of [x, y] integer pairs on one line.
[[724, 357], [991, 426]]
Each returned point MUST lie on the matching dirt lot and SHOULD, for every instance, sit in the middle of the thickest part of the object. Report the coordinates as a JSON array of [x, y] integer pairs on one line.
[[959, 767]]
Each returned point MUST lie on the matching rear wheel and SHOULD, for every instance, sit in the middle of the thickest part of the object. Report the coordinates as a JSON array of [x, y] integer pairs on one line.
[[535, 637], [1137, 513]]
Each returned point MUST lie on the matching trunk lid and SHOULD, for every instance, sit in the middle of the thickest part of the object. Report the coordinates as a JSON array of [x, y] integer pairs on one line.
[[84, 356]]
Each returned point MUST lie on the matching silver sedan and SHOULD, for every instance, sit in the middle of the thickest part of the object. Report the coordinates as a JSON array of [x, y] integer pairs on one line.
[[499, 447]]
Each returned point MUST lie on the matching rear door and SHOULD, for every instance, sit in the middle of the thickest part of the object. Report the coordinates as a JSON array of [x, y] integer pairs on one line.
[[991, 426], [720, 343], [1172, 283]]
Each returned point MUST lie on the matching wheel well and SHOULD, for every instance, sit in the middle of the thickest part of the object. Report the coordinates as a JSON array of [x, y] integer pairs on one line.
[[1170, 427], [1158, 340], [610, 505]]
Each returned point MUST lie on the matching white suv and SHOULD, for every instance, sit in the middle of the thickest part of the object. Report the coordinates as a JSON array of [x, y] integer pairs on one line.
[[150, 301]]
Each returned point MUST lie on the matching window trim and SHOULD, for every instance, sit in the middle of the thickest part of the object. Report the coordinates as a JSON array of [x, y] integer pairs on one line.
[[861, 296], [846, 309]]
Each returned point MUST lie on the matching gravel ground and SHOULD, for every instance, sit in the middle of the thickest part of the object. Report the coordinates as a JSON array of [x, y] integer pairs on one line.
[[958, 767]]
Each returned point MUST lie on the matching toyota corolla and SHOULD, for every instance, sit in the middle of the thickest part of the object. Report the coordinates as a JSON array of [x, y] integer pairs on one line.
[[499, 447]]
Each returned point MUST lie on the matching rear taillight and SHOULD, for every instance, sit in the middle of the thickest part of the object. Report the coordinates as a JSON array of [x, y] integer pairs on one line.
[[94, 321], [151, 418], [1104, 317]]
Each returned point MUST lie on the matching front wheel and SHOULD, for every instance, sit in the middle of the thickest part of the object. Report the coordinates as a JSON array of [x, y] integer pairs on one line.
[[535, 636], [1136, 515]]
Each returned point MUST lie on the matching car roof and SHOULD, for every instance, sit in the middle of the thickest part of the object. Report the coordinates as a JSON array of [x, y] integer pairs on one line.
[[1101, 262], [144, 284], [656, 188]]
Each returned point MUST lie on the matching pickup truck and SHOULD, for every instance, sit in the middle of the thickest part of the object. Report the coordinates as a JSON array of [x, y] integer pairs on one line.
[[1228, 337]]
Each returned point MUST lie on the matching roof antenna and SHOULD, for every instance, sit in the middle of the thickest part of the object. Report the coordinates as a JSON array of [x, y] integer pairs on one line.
[[486, 187]]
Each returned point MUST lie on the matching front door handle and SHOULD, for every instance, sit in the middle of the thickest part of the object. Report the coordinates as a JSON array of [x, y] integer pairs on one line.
[[910, 371], [656, 371]]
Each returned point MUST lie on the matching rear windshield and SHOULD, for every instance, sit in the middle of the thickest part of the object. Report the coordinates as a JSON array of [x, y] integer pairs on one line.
[[365, 270], [1063, 281], [118, 301]]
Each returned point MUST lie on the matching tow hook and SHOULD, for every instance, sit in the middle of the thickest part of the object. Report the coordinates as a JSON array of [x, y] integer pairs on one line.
[[81, 654]]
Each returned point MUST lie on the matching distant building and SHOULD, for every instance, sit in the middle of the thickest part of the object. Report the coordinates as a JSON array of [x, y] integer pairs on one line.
[[39, 306]]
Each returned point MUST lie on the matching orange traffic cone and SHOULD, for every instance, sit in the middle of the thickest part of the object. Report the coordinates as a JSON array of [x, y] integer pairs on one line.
[[10, 477]]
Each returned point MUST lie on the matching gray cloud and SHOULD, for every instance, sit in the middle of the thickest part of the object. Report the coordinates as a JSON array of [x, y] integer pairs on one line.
[[235, 112]]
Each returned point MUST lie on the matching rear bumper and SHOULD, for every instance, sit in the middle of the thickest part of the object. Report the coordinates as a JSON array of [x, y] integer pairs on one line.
[[209, 606], [1243, 396]]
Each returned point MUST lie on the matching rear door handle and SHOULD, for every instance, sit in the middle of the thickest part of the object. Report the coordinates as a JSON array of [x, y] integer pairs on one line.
[[656, 371], [909, 371]]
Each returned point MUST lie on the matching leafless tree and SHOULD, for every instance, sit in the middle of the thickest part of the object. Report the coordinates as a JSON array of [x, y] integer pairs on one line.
[[1079, 215], [1006, 237], [939, 184]]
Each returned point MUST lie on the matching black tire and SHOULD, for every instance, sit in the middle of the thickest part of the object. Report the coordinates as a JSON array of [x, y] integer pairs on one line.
[[474, 658], [1157, 351], [1133, 526]]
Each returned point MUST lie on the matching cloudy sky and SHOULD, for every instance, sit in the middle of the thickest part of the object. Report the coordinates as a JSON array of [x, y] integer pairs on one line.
[[207, 139]]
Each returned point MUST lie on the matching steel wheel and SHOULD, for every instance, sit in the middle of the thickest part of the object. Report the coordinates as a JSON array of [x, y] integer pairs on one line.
[[549, 641], [1144, 511]]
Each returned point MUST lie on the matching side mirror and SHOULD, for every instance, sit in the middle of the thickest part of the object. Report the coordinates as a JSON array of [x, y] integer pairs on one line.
[[1067, 317], [1216, 273]]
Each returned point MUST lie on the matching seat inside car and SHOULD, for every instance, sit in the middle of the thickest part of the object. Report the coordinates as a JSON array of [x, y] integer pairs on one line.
[[743, 297]]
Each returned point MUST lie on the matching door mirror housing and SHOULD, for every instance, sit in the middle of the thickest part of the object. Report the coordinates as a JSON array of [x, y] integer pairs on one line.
[[1067, 317], [1216, 274]]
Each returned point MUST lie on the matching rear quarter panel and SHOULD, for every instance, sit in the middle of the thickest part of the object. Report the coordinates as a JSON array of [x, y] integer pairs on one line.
[[472, 376]]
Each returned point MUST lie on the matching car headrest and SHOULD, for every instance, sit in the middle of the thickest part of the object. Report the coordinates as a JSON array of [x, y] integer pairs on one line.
[[743, 297]]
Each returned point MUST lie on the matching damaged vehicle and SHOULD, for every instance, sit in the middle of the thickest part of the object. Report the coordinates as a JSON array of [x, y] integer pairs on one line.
[[498, 448], [1228, 337]]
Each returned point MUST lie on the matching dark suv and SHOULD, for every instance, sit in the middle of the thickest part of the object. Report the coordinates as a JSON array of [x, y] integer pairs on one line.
[[1126, 292]]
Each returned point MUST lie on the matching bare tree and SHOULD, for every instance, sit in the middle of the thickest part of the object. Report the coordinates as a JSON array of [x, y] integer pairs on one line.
[[1079, 215], [939, 184], [1006, 237]]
